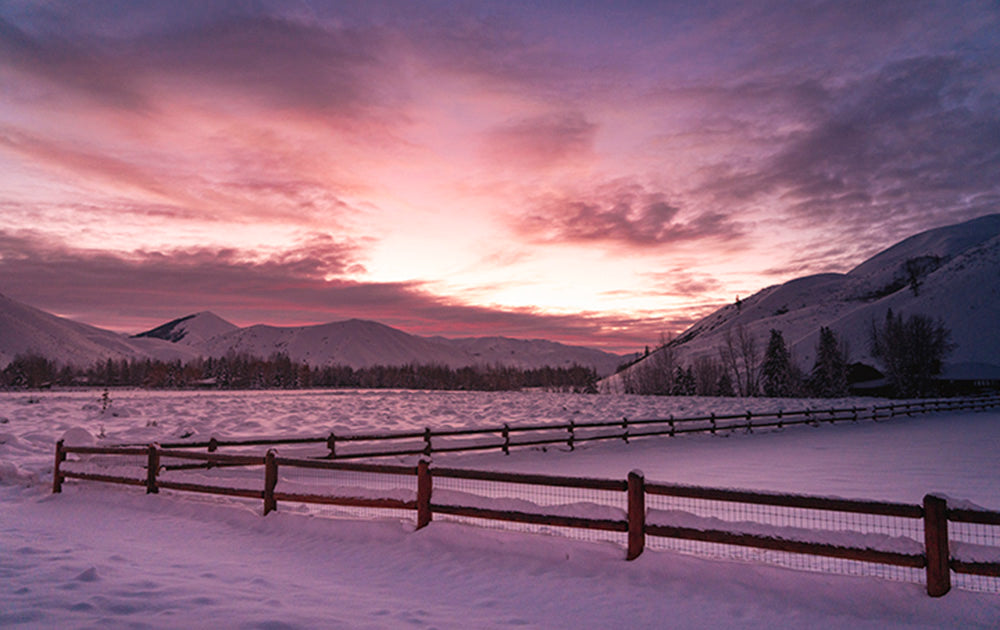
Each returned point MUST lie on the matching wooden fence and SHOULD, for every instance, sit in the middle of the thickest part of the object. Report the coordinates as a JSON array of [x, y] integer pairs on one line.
[[932, 554], [505, 437]]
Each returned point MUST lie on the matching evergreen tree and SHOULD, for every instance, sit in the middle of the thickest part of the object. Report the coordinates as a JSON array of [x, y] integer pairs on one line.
[[777, 368], [829, 374], [725, 385]]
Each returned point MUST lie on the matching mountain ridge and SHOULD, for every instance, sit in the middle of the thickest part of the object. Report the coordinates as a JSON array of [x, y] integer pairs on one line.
[[950, 273], [355, 343]]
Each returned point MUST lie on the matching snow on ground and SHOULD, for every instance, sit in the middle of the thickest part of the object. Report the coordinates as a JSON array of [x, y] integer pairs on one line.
[[111, 556]]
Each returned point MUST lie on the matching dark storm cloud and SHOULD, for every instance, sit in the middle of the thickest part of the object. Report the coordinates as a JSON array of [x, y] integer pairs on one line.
[[625, 214]]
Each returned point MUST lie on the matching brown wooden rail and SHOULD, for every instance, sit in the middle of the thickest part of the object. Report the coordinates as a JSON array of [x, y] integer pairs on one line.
[[936, 558], [503, 437]]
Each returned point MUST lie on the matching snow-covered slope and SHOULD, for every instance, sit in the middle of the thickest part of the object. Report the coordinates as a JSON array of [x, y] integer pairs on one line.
[[951, 273], [192, 330], [530, 353], [28, 330], [356, 343], [360, 343]]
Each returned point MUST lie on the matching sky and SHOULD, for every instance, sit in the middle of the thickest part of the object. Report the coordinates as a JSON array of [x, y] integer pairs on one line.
[[601, 174]]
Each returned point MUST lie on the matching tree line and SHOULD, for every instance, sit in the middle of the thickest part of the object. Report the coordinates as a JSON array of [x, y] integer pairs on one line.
[[911, 349], [243, 371]]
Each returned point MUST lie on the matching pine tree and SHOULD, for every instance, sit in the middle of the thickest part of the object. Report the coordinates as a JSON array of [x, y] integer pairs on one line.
[[829, 374], [777, 367]]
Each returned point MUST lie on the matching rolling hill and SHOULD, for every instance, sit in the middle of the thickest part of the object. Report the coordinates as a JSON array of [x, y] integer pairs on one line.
[[951, 273], [355, 343]]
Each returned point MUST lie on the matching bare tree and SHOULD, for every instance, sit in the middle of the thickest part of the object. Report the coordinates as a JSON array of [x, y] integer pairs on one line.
[[707, 372], [740, 356]]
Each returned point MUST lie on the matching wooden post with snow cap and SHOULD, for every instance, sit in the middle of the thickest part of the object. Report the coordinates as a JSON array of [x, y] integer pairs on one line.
[[270, 481], [152, 468], [636, 514], [424, 490], [936, 543], [57, 477]]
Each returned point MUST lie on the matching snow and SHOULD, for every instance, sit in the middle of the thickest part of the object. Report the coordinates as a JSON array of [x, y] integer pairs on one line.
[[355, 343], [963, 291], [111, 556]]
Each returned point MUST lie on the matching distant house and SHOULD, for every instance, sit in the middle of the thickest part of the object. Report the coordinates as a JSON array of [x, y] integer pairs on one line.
[[864, 380], [969, 378], [956, 379]]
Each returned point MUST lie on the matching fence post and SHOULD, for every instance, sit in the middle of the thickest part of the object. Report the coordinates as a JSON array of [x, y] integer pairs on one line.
[[213, 444], [636, 514], [625, 429], [270, 481], [331, 443], [424, 489], [936, 542], [671, 421], [749, 422], [427, 441], [569, 440], [57, 477], [152, 468], [506, 439], [781, 423], [713, 423]]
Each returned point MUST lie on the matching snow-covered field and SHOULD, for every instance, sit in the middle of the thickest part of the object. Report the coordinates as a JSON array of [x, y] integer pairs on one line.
[[111, 556]]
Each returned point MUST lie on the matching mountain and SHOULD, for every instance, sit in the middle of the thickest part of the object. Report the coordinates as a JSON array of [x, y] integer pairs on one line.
[[192, 330], [360, 343], [28, 330], [533, 353], [356, 343], [951, 273]]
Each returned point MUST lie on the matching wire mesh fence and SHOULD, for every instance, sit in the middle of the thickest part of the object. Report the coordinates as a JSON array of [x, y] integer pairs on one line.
[[864, 538], [972, 542], [531, 498], [843, 529]]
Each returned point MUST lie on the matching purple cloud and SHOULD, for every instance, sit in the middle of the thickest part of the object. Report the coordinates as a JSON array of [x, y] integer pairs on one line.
[[143, 289], [541, 141], [622, 213]]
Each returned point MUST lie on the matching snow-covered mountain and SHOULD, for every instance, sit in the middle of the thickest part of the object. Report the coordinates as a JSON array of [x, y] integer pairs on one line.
[[28, 330], [356, 343], [361, 343], [192, 330], [951, 273], [531, 353]]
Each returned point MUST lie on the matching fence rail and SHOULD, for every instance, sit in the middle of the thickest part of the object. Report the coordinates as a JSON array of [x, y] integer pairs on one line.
[[491, 501], [428, 441]]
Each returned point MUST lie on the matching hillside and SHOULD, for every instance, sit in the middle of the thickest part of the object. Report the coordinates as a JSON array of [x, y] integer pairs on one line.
[[355, 343], [192, 330], [361, 343], [951, 273], [28, 330]]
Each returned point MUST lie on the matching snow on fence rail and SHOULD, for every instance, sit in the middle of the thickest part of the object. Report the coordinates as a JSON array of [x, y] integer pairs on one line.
[[428, 441], [783, 527]]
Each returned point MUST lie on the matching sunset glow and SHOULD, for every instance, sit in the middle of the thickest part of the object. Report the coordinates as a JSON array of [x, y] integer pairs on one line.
[[591, 174]]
